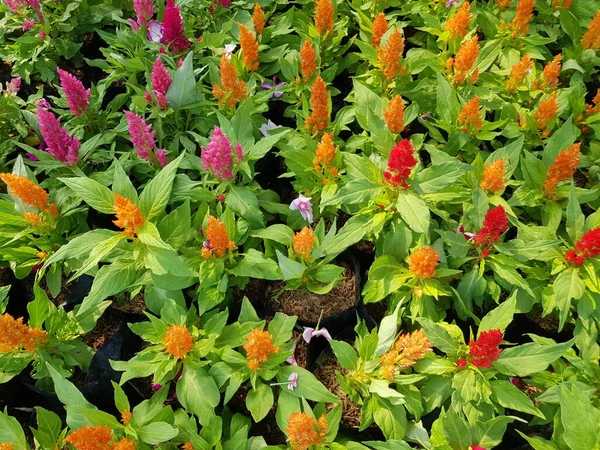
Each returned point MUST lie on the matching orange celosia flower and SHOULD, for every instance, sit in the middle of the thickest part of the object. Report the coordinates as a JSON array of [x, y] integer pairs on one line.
[[563, 3], [308, 60], [520, 24], [380, 27], [7, 447], [33, 218], [503, 3], [325, 154], [258, 18], [595, 107], [187, 446], [464, 61], [319, 103], [562, 168], [423, 261], [123, 444], [249, 46], [591, 38], [470, 116], [178, 341], [26, 190], [493, 176], [304, 242], [217, 240], [551, 73], [547, 110], [394, 115], [519, 72], [129, 217], [390, 55], [15, 336], [324, 16], [126, 417], [458, 24], [90, 438], [232, 89], [259, 345], [406, 351], [304, 431]]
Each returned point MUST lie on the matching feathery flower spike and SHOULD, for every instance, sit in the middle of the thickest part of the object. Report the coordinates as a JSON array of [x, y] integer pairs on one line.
[[178, 341], [380, 27], [6, 446], [304, 241], [494, 224], [161, 81], [459, 24], [464, 61], [58, 142], [319, 103], [524, 14], [587, 247], [591, 38], [562, 169], [129, 217], [217, 241], [217, 157], [493, 176], [423, 261], [304, 431], [90, 438], [308, 60], [470, 117], [259, 345], [390, 54], [144, 11], [15, 336], [258, 19], [324, 155], [484, 351], [551, 73], [142, 138], [406, 351], [232, 89], [324, 16], [400, 164], [394, 115], [546, 112], [27, 191], [172, 28], [249, 46], [123, 444], [519, 72]]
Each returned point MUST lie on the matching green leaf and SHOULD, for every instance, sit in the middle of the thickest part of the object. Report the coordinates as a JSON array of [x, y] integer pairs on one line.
[[255, 264], [121, 400], [441, 175], [157, 192], [456, 431], [175, 227], [575, 218], [345, 354], [530, 358], [11, 432], [156, 432], [537, 443], [439, 337], [93, 193], [444, 100], [390, 418], [567, 286], [260, 401], [278, 233], [356, 192], [356, 228], [182, 90], [122, 184], [570, 25], [509, 396], [500, 317], [290, 269], [413, 211], [580, 419], [308, 386], [245, 204], [198, 393]]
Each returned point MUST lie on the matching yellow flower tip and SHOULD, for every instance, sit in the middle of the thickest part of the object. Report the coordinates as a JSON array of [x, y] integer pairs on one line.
[[126, 417], [325, 154], [394, 115], [34, 219], [319, 103], [258, 19], [551, 73], [390, 54], [128, 215], [178, 341], [493, 176], [232, 90], [259, 345], [406, 351], [26, 190], [15, 336], [380, 27], [304, 241], [90, 438], [6, 447], [470, 116], [217, 240], [304, 431], [562, 169], [458, 25], [324, 16], [249, 46], [41, 255], [423, 262]]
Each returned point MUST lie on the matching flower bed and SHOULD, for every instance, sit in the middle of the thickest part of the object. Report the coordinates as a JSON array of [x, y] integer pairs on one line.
[[317, 224]]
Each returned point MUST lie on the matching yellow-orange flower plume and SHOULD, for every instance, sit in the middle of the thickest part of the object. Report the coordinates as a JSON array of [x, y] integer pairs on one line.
[[380, 27], [464, 61], [324, 156], [304, 241], [178, 341], [304, 431], [15, 336], [324, 16], [90, 438], [259, 345], [232, 89], [591, 38], [524, 14], [394, 115], [389, 56], [406, 351], [562, 169], [459, 24], [249, 46], [423, 262], [493, 176], [546, 112], [128, 215], [27, 191], [319, 103], [470, 117], [518, 73], [551, 73], [258, 19], [308, 60], [217, 240]]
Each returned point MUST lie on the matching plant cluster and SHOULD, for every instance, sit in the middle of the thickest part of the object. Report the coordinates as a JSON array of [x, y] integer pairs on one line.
[[328, 224]]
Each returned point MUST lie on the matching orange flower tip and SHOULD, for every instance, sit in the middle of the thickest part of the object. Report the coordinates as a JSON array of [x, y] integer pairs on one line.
[[258, 18], [126, 417], [380, 27], [178, 341], [423, 261], [470, 117], [232, 90], [15, 336], [406, 351], [259, 345], [324, 16], [26, 190], [303, 243], [394, 115], [493, 176], [390, 54], [129, 217], [305, 431], [90, 438], [458, 25], [319, 103], [308, 60], [217, 240]]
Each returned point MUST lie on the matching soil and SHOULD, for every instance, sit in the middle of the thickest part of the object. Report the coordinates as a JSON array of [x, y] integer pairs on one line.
[[377, 310], [325, 373], [549, 323], [6, 277], [135, 305], [309, 306], [301, 349], [144, 386], [105, 327]]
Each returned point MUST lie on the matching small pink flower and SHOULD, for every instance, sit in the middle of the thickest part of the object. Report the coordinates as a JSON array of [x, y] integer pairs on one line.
[[293, 381], [466, 234], [172, 28], [43, 35], [155, 31], [161, 156], [28, 24], [15, 5], [161, 81], [217, 156], [142, 138], [310, 333], [77, 96], [156, 386], [13, 86], [59, 143], [144, 11], [304, 207], [292, 359]]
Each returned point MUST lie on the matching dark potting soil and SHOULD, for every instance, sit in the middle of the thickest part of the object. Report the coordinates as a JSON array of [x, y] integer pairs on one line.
[[105, 328], [308, 306]]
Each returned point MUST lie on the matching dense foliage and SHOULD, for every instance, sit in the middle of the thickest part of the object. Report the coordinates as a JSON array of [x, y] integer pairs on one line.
[[316, 224]]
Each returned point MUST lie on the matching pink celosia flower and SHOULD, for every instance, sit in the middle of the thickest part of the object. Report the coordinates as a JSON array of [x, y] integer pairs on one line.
[[13, 86], [142, 138], [58, 142], [77, 96], [172, 28], [144, 11], [16, 5], [217, 156], [477, 447], [28, 24], [42, 35], [161, 80]]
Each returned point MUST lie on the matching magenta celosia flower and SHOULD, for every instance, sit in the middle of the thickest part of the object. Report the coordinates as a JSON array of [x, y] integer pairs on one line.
[[161, 80], [43, 35], [28, 24], [77, 96], [58, 142], [144, 11], [172, 28], [217, 157], [142, 138], [13, 86], [15, 5]]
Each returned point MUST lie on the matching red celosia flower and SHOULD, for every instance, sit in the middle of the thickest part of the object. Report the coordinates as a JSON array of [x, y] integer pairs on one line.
[[400, 164], [59, 143], [380, 27], [172, 28], [461, 363], [249, 46], [90, 438], [458, 25], [319, 103], [494, 224], [161, 81], [77, 96], [324, 16], [477, 447], [308, 60], [587, 247], [484, 351]]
